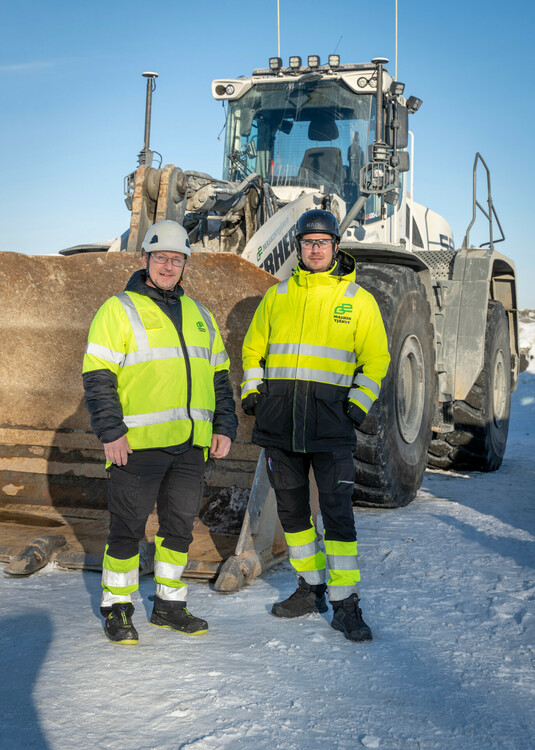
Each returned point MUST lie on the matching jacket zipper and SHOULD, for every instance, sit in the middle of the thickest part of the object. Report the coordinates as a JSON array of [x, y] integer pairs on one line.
[[302, 447], [305, 416], [178, 327], [294, 401]]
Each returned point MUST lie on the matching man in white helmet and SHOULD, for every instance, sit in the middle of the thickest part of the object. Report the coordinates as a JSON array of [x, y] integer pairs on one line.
[[158, 392]]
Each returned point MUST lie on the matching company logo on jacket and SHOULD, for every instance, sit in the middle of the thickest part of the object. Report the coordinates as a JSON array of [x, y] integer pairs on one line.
[[339, 313]]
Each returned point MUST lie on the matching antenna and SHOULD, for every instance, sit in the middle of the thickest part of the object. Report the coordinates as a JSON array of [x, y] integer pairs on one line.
[[145, 157], [396, 55], [336, 48], [278, 29]]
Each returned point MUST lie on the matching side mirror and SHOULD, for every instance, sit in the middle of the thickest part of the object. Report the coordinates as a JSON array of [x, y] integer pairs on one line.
[[397, 120]]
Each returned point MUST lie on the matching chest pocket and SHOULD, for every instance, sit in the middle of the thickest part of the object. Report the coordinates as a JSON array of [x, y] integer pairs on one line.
[[151, 319]]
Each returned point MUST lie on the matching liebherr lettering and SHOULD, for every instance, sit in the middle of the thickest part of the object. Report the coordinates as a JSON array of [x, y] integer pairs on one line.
[[280, 253]]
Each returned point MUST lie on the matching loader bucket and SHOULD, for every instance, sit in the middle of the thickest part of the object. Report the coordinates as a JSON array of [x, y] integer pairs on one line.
[[53, 494]]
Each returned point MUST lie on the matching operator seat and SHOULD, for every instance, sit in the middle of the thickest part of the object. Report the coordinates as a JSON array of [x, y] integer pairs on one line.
[[321, 166]]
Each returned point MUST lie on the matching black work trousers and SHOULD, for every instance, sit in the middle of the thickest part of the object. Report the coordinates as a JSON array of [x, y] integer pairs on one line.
[[334, 471], [173, 482]]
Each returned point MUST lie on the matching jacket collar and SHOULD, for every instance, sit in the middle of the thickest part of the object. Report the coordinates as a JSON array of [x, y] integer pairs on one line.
[[138, 283], [343, 270]]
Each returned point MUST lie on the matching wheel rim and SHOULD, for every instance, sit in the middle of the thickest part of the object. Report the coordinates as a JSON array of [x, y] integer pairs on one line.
[[499, 388], [410, 392]]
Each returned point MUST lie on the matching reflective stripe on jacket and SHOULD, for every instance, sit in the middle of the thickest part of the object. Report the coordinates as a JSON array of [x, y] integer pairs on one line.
[[316, 341], [165, 379]]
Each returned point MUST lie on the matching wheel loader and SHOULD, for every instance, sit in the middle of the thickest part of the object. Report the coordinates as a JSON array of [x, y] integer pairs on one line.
[[333, 136]]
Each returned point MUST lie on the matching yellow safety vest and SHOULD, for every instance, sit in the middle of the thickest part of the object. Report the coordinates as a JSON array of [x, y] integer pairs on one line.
[[165, 385]]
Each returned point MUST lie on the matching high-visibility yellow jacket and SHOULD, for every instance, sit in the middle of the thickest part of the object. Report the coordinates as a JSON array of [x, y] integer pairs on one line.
[[162, 365], [316, 344]]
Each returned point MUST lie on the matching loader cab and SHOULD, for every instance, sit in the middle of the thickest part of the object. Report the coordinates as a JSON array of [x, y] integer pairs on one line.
[[311, 131]]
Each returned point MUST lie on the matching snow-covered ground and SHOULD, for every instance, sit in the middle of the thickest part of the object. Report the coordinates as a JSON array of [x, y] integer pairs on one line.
[[448, 587]]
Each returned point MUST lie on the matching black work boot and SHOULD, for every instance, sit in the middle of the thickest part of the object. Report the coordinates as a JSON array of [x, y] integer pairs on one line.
[[304, 600], [118, 624], [174, 615], [348, 619]]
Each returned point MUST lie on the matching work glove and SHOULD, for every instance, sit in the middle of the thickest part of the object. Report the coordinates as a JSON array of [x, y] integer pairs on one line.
[[249, 403], [355, 414]]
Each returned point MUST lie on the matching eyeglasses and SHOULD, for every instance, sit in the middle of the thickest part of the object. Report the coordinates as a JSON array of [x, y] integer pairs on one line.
[[161, 259], [309, 244]]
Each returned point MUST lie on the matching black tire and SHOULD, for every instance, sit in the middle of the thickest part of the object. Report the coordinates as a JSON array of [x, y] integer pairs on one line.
[[393, 441], [482, 420]]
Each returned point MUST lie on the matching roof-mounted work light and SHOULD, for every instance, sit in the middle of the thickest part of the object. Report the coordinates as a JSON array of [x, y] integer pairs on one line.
[[313, 61], [397, 88], [334, 61], [275, 63], [295, 62], [413, 104]]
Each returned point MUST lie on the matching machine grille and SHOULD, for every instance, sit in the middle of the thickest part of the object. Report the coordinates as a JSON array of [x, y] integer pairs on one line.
[[440, 262]]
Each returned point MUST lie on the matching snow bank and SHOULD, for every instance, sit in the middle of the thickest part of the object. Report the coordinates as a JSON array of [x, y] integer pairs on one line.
[[448, 587], [527, 338]]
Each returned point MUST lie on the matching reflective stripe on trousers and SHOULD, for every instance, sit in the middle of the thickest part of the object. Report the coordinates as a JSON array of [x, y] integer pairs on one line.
[[343, 568], [169, 566], [119, 579], [108, 599], [305, 555]]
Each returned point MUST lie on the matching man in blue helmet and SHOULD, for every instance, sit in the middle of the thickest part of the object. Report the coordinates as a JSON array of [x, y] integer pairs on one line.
[[314, 358]]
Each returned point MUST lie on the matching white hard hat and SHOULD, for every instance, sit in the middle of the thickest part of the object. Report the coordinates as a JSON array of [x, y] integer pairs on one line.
[[167, 236]]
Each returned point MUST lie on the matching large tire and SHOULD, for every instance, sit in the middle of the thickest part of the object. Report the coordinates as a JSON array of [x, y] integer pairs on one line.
[[392, 443], [482, 420]]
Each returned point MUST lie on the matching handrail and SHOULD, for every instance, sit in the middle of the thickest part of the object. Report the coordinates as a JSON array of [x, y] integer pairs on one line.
[[488, 215]]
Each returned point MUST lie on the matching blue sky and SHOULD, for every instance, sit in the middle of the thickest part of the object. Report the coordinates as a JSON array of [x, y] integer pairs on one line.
[[73, 101]]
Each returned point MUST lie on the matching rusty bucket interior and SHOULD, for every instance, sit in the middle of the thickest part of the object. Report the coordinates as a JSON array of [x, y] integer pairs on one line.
[[53, 484]]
